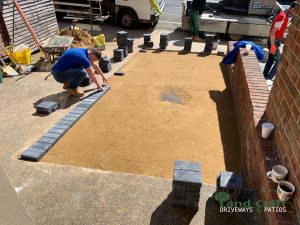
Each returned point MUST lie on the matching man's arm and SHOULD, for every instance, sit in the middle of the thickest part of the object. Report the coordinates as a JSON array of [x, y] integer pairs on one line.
[[93, 77], [96, 67]]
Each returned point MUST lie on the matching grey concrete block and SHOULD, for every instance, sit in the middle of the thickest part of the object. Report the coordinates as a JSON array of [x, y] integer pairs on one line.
[[74, 115], [32, 155], [193, 197], [48, 140], [47, 107], [57, 130], [119, 55], [52, 135], [149, 44], [80, 109], [62, 126], [180, 195], [230, 181], [66, 122], [69, 118], [86, 82], [147, 38], [42, 146], [186, 176], [122, 37], [193, 205], [125, 48], [186, 165], [180, 203], [84, 105], [188, 44]]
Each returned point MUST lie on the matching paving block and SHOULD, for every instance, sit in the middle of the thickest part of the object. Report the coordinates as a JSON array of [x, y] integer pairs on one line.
[[193, 205], [74, 115], [147, 38], [180, 203], [52, 135], [149, 44], [119, 55], [84, 105], [62, 126], [105, 64], [65, 122], [180, 195], [230, 181], [47, 107], [122, 37], [164, 40], [193, 197], [42, 146], [32, 155], [209, 38], [186, 165], [57, 130], [179, 186], [86, 81], [130, 45], [79, 109], [188, 44], [125, 48], [69, 118], [48, 140], [192, 179]]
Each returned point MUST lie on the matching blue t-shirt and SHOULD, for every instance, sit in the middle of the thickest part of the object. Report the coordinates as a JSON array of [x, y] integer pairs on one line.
[[71, 59]]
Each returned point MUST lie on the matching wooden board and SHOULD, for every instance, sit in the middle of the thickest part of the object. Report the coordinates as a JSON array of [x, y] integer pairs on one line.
[[41, 16]]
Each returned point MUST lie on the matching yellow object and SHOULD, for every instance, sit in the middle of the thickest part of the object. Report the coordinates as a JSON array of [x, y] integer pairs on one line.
[[23, 56], [99, 41], [156, 6]]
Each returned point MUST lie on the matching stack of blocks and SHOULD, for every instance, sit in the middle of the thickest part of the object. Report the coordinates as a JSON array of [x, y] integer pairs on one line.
[[86, 81], [209, 39], [119, 55], [187, 182], [230, 183], [188, 44], [130, 45], [47, 107], [122, 42], [105, 64], [147, 41], [164, 40]]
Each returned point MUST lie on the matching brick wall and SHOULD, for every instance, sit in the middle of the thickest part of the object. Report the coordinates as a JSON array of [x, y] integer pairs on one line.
[[250, 95], [283, 108]]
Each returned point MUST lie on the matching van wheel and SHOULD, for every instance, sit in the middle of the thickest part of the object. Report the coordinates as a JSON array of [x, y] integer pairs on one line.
[[128, 19]]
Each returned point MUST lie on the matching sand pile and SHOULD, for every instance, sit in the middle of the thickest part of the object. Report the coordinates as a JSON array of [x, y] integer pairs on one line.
[[81, 38]]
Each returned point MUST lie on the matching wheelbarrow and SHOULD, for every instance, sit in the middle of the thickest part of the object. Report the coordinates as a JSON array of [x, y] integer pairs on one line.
[[57, 45]]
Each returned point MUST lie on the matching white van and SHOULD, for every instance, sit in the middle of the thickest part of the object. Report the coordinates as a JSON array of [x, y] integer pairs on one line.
[[126, 13]]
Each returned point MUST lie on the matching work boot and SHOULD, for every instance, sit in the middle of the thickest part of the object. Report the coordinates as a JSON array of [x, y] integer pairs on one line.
[[66, 86], [75, 92]]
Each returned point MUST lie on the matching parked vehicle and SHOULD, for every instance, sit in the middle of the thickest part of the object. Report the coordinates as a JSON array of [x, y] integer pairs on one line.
[[126, 13]]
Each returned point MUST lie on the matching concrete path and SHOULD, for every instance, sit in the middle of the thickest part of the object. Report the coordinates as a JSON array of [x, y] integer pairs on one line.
[[12, 211]]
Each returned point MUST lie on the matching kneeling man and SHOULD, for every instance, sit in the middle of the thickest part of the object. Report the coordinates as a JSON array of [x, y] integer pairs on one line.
[[74, 65]]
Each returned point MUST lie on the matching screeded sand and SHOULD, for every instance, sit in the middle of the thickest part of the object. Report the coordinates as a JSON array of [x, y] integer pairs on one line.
[[135, 128]]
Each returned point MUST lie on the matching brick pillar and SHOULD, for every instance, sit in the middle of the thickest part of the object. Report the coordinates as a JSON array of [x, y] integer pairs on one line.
[[283, 108]]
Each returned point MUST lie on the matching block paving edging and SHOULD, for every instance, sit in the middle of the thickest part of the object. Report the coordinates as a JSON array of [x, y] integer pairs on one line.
[[37, 151]]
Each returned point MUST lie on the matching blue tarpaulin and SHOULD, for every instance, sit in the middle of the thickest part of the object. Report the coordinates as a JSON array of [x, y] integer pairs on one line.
[[230, 58]]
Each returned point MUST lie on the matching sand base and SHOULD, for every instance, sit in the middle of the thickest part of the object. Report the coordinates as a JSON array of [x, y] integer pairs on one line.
[[168, 106]]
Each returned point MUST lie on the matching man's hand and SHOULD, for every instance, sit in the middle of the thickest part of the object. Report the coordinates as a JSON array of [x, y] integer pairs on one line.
[[99, 87], [273, 50], [104, 79]]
